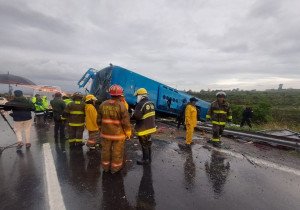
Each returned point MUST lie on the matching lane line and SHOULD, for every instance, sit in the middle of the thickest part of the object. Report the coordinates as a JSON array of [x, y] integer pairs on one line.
[[53, 188], [259, 162]]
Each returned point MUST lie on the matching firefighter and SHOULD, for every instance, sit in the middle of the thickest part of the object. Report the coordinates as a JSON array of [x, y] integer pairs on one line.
[[115, 128], [74, 114], [58, 107], [144, 115], [190, 120], [219, 112], [91, 121]]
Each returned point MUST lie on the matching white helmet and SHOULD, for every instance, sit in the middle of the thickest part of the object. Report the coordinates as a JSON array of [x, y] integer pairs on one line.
[[221, 93]]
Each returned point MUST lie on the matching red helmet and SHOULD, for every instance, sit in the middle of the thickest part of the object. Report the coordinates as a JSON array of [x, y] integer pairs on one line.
[[116, 90]]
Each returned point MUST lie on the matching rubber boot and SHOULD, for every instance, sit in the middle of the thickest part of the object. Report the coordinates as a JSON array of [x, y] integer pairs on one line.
[[217, 144], [145, 160]]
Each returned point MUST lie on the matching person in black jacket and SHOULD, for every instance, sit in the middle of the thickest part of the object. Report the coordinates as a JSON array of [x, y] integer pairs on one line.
[[58, 107], [247, 115], [144, 114], [181, 114], [21, 112]]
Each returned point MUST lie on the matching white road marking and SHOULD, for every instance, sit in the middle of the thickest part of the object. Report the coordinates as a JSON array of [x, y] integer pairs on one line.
[[260, 162], [53, 188]]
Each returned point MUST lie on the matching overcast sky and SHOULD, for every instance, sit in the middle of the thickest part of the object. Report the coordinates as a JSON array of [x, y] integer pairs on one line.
[[187, 44]]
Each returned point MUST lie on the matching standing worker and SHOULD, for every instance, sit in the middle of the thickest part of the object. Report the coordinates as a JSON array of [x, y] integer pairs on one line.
[[21, 113], [144, 115], [91, 121], [39, 109], [219, 113], [58, 106], [181, 114], [113, 121], [74, 114], [46, 108], [190, 120], [247, 115]]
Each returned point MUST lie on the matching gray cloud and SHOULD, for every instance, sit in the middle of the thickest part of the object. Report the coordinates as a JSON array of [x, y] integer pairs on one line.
[[186, 44]]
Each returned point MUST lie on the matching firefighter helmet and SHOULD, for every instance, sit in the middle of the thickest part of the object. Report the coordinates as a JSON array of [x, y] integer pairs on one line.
[[77, 95], [141, 91], [90, 97], [116, 90], [221, 93]]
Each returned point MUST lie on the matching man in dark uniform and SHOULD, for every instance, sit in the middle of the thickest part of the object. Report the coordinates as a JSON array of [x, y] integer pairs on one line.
[[58, 107], [144, 114], [75, 115], [219, 113], [181, 114], [247, 115]]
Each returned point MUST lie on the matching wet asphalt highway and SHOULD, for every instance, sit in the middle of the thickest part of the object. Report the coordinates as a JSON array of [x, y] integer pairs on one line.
[[179, 178]]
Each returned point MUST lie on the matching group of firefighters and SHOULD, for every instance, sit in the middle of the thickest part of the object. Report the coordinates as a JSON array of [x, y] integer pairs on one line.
[[110, 122]]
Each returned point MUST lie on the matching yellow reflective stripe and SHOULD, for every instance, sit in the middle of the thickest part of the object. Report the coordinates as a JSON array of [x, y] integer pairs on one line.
[[78, 140], [219, 112], [142, 133], [77, 102], [72, 140], [76, 124], [76, 112], [208, 116], [218, 123], [150, 114], [63, 118], [229, 117], [215, 139]]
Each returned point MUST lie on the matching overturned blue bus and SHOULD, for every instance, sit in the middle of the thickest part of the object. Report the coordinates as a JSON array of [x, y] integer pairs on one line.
[[168, 100]]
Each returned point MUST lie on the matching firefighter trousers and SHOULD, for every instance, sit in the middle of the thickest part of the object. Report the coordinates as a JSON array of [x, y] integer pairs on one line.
[[217, 132], [189, 134], [112, 154], [75, 134], [145, 141]]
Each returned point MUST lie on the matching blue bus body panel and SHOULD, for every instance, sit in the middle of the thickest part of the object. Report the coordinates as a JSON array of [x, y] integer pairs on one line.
[[167, 100]]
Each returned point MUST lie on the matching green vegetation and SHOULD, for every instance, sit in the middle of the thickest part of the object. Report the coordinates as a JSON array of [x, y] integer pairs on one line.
[[273, 109]]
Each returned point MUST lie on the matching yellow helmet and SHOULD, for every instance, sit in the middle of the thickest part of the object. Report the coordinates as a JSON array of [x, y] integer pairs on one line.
[[90, 97], [141, 91]]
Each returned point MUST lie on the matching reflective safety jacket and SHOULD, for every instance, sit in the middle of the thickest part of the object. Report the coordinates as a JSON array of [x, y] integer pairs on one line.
[[91, 117], [191, 115], [75, 113], [38, 104], [67, 101], [113, 120], [219, 114], [45, 102], [144, 114]]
